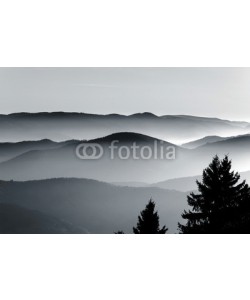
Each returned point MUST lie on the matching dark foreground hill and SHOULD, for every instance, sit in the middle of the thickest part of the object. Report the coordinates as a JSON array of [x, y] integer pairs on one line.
[[15, 219], [96, 207]]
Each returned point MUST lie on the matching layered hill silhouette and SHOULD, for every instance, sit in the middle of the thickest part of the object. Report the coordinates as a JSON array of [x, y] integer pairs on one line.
[[46, 159], [36, 148], [61, 126], [63, 161], [11, 150], [92, 206]]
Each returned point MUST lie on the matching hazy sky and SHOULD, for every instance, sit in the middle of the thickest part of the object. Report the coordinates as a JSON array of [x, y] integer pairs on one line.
[[217, 92]]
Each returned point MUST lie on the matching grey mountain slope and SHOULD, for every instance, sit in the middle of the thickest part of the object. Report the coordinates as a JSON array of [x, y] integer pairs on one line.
[[131, 184], [97, 206], [183, 184], [214, 140], [235, 141], [15, 219], [203, 141], [61, 126], [204, 119], [186, 184], [11, 150]]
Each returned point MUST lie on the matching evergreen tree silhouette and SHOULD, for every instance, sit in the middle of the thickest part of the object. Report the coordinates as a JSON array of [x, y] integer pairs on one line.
[[222, 205], [148, 221]]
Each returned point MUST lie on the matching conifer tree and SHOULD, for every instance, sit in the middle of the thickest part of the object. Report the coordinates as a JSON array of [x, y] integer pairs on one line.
[[148, 221], [222, 205]]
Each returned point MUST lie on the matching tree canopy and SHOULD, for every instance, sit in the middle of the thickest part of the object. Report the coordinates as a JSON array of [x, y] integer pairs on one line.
[[222, 204], [148, 221]]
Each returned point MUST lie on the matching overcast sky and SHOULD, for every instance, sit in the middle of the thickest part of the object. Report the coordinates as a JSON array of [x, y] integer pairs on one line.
[[216, 92]]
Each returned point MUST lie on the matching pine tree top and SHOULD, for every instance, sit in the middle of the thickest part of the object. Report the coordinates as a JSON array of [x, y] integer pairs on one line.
[[148, 221]]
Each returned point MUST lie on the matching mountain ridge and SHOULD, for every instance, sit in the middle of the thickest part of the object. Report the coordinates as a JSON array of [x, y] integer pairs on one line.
[[138, 114], [61, 126]]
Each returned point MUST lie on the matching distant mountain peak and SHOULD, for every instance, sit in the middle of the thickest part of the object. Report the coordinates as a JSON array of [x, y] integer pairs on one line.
[[144, 114], [125, 137], [130, 137]]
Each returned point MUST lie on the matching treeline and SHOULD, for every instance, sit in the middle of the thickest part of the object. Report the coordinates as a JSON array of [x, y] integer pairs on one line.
[[222, 205]]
